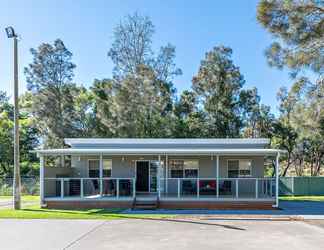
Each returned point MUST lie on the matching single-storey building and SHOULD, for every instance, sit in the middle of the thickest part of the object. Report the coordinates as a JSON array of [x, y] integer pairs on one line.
[[164, 173]]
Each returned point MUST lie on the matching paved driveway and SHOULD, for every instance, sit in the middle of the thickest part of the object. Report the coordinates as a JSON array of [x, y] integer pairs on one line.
[[203, 233]]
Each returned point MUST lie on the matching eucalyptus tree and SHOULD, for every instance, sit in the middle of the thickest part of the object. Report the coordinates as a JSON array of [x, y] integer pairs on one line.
[[49, 78], [217, 85], [298, 28], [141, 91]]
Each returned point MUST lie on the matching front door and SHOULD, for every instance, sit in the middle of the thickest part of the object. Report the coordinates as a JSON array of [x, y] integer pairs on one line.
[[142, 176]]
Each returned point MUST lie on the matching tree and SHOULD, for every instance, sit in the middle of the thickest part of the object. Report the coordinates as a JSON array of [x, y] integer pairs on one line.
[[138, 101], [132, 47], [189, 121], [28, 137], [49, 78], [217, 85], [299, 29]]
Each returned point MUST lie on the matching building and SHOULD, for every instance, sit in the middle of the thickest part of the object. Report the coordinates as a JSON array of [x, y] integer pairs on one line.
[[165, 173]]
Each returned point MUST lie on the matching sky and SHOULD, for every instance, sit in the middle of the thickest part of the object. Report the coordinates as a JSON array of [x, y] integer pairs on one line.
[[194, 27]]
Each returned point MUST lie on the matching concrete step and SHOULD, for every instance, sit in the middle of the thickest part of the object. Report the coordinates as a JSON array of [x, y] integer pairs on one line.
[[145, 204]]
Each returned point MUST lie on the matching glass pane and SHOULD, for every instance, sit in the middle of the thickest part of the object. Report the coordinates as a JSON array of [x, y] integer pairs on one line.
[[191, 173], [176, 173], [107, 164], [106, 173], [91, 187], [109, 187], [153, 175], [93, 164], [207, 187], [245, 164], [188, 187], [125, 188], [233, 165], [190, 164], [94, 173]]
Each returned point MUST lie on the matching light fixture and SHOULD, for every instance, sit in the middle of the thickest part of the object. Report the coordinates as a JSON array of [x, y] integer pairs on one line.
[[10, 32]]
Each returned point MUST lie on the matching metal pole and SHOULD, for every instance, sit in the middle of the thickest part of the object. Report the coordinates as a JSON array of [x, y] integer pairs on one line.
[[16, 180], [41, 180]]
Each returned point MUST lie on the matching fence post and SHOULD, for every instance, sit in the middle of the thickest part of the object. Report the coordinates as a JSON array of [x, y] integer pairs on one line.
[[81, 188], [178, 187], [236, 188], [100, 174], [217, 176], [256, 188], [134, 188], [62, 188], [198, 188], [42, 181], [117, 181]]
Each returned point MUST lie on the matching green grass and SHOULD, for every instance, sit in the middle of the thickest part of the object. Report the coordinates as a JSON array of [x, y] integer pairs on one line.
[[24, 198], [303, 198], [35, 212]]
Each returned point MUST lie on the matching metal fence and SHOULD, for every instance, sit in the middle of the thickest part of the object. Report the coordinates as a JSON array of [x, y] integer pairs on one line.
[[29, 186], [301, 185]]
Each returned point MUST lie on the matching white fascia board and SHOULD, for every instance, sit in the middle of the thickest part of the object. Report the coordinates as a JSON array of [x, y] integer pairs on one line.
[[72, 151]]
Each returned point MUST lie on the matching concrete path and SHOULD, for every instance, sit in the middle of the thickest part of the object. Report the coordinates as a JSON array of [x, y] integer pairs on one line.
[[160, 234]]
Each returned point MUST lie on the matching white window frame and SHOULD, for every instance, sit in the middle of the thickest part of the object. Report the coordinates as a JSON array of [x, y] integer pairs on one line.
[[103, 159], [242, 159], [183, 170]]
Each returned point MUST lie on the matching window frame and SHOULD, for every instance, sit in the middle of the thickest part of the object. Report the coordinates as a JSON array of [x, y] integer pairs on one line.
[[183, 169], [239, 160], [103, 159]]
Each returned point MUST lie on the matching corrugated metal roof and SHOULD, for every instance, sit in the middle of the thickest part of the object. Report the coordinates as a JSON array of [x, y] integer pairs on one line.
[[165, 141]]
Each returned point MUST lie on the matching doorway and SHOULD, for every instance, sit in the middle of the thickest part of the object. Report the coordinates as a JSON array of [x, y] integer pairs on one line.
[[142, 176]]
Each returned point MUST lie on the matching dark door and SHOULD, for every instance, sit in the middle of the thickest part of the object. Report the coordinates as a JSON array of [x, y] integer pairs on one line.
[[142, 176]]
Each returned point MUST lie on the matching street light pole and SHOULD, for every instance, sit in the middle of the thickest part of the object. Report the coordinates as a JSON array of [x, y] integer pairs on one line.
[[16, 181]]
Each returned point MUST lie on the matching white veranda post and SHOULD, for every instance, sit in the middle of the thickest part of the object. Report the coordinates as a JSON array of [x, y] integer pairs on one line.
[[277, 179], [159, 177]]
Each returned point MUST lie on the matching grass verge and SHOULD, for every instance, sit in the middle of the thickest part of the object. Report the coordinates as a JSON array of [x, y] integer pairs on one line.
[[24, 198], [35, 212], [319, 198]]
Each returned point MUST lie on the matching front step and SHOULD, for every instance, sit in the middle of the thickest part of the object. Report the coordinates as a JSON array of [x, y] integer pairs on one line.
[[151, 204]]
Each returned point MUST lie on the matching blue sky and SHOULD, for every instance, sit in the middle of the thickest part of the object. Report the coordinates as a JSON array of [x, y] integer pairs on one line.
[[194, 27]]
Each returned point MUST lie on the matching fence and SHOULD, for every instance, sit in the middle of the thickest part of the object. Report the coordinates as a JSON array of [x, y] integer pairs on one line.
[[29, 185], [301, 185], [287, 186]]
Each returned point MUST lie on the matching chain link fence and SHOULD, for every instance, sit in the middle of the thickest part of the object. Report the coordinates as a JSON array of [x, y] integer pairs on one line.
[[29, 186]]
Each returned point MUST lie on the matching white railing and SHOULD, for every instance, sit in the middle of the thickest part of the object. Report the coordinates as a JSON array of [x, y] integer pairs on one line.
[[89, 187], [231, 188]]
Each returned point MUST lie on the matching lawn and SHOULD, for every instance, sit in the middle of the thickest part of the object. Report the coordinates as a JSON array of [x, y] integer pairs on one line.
[[35, 212], [303, 198], [24, 198]]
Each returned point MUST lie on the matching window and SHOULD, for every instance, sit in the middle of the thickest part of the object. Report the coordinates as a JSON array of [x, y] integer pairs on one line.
[[184, 168], [239, 168], [94, 169], [107, 167]]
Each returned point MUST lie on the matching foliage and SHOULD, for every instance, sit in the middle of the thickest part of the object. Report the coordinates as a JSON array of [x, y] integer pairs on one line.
[[299, 29], [28, 137], [49, 79]]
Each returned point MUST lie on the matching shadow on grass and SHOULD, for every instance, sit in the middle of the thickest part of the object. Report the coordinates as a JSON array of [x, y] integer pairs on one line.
[[114, 213]]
